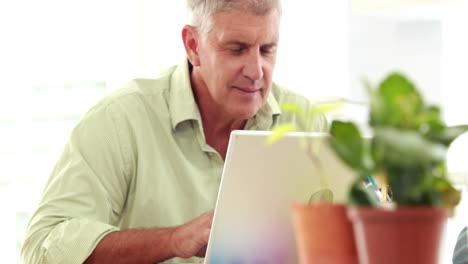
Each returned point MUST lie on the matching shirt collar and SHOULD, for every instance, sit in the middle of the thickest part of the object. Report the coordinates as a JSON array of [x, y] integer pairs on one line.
[[183, 107]]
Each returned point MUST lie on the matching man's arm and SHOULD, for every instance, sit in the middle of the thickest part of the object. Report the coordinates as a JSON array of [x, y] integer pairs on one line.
[[154, 245], [83, 200]]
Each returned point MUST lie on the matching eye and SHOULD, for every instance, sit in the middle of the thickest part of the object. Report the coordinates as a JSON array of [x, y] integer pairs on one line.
[[268, 50], [236, 50]]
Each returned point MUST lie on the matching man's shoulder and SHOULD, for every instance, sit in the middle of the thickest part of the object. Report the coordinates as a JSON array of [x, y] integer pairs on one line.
[[145, 86], [141, 90], [136, 96]]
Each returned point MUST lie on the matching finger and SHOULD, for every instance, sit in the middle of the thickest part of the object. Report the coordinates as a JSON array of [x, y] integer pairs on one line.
[[207, 218], [201, 253], [206, 234], [209, 214]]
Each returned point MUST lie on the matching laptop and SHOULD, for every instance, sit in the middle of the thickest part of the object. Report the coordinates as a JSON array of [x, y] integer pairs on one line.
[[252, 223]]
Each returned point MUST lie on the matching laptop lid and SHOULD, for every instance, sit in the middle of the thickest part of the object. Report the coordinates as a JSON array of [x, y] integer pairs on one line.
[[252, 221]]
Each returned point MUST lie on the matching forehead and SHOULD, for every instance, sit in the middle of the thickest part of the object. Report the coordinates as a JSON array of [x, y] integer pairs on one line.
[[237, 25]]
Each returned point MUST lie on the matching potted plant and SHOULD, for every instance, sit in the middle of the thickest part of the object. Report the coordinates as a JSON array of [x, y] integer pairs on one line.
[[407, 155], [323, 231]]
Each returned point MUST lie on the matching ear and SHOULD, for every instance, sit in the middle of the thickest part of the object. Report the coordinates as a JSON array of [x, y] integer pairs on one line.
[[191, 40]]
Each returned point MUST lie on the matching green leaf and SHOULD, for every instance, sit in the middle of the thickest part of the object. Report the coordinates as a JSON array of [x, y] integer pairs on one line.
[[361, 196], [323, 108], [407, 185], [430, 116], [404, 148], [292, 108], [324, 195], [280, 131], [447, 135], [431, 191], [398, 103], [377, 111], [450, 196], [349, 145]]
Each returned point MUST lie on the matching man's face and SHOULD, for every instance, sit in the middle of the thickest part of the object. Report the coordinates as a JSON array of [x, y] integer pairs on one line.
[[237, 60]]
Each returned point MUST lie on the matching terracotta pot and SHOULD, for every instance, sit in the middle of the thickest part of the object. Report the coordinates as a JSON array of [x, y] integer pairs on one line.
[[403, 236], [324, 234]]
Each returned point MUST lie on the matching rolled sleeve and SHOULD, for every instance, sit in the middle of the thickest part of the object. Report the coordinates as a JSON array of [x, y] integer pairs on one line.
[[83, 199], [71, 241]]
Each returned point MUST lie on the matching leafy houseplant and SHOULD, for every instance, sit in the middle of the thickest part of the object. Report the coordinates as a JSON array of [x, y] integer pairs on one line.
[[406, 153], [323, 231]]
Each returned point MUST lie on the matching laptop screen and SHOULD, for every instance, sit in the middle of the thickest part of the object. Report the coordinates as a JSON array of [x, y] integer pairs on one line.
[[252, 221]]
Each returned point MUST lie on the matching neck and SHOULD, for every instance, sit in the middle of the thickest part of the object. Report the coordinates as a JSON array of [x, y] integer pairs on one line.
[[215, 120], [217, 135], [217, 125]]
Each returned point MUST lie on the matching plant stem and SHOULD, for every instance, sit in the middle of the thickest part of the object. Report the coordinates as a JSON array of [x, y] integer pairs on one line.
[[313, 157], [382, 179]]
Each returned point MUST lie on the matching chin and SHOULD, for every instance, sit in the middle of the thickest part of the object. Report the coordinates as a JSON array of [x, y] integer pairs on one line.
[[246, 113]]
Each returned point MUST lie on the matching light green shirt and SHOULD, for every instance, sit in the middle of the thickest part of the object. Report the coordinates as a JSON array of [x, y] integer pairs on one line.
[[138, 159]]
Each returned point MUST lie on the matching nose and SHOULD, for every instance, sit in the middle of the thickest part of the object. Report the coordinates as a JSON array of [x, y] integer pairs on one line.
[[253, 68]]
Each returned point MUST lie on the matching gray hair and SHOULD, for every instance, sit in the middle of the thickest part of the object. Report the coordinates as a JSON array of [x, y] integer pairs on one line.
[[201, 11]]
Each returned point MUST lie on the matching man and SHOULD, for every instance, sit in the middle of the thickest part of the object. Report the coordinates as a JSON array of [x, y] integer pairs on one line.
[[139, 177]]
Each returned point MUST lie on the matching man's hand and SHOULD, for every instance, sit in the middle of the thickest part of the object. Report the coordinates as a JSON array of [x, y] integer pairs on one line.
[[190, 239], [154, 244]]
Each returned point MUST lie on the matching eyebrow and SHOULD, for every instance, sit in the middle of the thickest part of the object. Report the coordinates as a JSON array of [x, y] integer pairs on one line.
[[244, 44], [239, 43]]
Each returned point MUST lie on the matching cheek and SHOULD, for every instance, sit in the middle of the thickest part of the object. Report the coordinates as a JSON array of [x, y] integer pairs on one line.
[[230, 71], [268, 73], [220, 78], [271, 64]]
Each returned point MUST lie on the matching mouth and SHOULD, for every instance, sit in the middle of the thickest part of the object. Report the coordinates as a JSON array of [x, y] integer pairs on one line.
[[249, 90]]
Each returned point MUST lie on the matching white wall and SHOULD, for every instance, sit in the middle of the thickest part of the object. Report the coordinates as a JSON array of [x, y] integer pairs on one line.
[[379, 46], [313, 56]]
